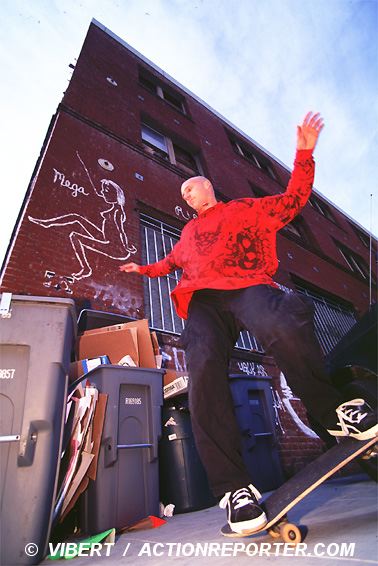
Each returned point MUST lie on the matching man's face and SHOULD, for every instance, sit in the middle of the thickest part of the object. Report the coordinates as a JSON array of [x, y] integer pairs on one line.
[[195, 192]]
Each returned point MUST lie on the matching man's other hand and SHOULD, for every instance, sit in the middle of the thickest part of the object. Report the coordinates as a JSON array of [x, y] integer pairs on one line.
[[308, 132]]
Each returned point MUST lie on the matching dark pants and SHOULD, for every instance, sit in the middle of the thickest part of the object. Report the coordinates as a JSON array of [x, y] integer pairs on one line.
[[283, 324]]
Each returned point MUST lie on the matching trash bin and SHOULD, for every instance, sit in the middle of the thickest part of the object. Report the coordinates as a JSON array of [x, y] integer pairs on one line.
[[37, 338], [126, 488], [183, 480], [254, 412]]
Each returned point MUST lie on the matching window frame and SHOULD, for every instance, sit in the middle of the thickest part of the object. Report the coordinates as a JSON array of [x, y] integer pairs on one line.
[[153, 85], [171, 156], [321, 207], [254, 157]]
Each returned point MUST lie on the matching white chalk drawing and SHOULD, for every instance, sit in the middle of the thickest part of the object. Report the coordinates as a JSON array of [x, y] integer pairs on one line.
[[277, 407], [251, 368], [286, 405], [58, 282], [108, 238], [185, 215], [178, 358]]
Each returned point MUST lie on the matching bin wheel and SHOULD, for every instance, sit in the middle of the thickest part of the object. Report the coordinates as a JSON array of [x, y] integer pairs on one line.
[[291, 533]]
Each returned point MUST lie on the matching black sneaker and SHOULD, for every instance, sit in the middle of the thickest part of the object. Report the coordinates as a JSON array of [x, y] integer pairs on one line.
[[356, 419], [244, 515]]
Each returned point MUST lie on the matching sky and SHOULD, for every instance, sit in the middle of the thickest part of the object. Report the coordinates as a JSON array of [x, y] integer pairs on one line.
[[262, 64]]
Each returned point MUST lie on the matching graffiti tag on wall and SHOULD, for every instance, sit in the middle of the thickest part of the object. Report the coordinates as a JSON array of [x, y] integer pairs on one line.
[[107, 237]]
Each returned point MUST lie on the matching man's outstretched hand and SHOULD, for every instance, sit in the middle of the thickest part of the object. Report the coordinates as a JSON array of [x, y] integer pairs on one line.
[[308, 132], [130, 267]]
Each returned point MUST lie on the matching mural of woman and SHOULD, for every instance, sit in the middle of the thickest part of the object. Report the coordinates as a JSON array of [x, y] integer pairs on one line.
[[108, 238]]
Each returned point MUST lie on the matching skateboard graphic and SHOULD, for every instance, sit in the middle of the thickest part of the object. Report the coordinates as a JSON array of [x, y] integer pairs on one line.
[[284, 498]]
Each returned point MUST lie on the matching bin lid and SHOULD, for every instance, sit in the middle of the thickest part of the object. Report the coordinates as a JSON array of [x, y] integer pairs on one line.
[[7, 299]]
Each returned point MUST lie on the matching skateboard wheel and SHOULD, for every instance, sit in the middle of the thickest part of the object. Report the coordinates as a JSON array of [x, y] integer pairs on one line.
[[291, 533]]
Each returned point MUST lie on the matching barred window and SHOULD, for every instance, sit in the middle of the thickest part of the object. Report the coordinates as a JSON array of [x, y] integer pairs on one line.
[[158, 240], [332, 319]]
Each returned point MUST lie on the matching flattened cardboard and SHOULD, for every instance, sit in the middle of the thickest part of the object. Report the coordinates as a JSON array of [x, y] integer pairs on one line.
[[144, 345], [98, 425], [114, 341], [146, 351]]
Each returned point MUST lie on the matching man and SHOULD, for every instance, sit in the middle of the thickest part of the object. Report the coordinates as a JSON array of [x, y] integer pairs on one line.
[[228, 258]]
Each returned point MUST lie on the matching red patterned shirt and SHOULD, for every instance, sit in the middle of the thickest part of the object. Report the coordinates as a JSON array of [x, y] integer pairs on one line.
[[233, 245]]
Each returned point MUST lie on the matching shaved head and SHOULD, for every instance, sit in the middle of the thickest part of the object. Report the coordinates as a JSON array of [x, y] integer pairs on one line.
[[198, 193], [198, 179]]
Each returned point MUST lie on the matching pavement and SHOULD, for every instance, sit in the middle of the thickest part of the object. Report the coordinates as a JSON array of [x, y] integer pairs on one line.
[[340, 518]]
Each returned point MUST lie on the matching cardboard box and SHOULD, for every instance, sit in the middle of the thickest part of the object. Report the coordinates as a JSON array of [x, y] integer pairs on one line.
[[81, 367], [175, 383], [142, 352], [115, 343]]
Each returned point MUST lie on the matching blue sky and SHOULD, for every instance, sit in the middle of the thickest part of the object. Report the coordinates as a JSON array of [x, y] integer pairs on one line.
[[260, 63]]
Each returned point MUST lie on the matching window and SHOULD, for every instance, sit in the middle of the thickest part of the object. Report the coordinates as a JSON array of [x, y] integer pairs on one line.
[[321, 207], [155, 141], [153, 85], [365, 238], [164, 147], [158, 240], [354, 261], [254, 157], [258, 192], [332, 318], [297, 229], [294, 229]]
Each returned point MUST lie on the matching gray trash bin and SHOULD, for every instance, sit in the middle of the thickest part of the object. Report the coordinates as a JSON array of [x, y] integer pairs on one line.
[[37, 337], [126, 488]]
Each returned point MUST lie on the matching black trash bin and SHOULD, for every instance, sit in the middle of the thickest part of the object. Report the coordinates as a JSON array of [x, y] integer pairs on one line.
[[254, 412], [183, 479]]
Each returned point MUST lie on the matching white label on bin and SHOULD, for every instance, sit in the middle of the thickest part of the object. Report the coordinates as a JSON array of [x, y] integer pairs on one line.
[[7, 373], [133, 401], [172, 436]]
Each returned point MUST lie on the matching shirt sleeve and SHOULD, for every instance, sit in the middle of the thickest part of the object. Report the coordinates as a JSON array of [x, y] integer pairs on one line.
[[162, 267], [278, 210]]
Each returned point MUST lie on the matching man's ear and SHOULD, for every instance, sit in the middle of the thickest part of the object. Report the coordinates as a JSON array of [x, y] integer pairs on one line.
[[208, 185]]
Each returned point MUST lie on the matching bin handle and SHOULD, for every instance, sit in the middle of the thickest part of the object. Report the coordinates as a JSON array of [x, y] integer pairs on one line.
[[27, 446], [111, 449], [11, 438], [5, 305], [134, 445]]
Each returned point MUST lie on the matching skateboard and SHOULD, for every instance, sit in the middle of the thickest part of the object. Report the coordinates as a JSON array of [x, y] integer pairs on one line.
[[284, 498]]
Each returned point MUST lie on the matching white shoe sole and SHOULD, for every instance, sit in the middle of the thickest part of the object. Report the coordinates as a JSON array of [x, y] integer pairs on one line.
[[248, 527]]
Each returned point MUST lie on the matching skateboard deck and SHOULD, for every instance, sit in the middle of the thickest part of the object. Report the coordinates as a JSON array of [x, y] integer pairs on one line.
[[301, 484]]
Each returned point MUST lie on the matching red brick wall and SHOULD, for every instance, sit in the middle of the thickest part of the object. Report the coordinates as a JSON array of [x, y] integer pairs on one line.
[[98, 120]]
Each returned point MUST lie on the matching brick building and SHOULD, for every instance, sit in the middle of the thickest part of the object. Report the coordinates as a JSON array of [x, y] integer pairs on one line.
[[106, 190]]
